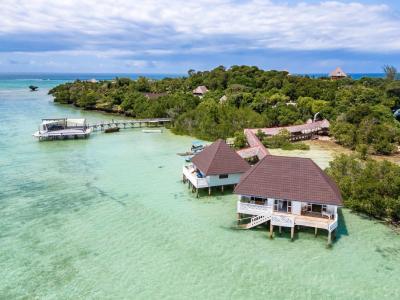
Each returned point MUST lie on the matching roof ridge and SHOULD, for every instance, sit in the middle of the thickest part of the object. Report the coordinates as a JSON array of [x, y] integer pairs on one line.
[[251, 170], [218, 144]]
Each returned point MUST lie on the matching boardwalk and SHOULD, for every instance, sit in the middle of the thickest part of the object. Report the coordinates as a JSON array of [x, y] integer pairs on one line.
[[122, 124], [256, 147]]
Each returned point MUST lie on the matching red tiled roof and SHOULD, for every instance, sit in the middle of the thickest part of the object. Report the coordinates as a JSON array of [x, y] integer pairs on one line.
[[303, 128], [219, 158], [254, 142], [289, 178]]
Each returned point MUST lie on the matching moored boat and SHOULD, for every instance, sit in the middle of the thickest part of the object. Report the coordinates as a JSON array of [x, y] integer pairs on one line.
[[62, 129], [111, 129]]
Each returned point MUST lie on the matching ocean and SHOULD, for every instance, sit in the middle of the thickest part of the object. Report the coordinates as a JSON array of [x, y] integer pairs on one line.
[[109, 218]]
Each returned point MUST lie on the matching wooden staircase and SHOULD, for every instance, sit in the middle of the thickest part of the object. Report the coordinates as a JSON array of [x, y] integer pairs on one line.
[[255, 221]]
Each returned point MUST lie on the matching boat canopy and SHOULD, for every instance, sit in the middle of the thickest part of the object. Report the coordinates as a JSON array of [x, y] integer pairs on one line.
[[76, 122], [58, 123]]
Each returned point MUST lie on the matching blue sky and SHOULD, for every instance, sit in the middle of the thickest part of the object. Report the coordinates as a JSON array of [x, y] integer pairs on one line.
[[151, 36]]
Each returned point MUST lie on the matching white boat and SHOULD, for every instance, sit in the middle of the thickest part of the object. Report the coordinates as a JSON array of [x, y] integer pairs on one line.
[[152, 130], [62, 128]]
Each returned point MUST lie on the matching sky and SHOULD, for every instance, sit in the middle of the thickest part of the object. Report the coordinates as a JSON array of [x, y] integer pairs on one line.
[[158, 36]]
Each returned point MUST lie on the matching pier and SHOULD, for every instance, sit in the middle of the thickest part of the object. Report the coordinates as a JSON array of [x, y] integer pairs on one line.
[[124, 124], [64, 128]]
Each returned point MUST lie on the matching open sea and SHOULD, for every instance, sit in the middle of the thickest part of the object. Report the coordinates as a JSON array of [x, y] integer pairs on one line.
[[109, 218]]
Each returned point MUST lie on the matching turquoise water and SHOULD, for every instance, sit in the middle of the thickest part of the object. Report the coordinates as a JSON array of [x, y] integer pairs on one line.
[[108, 218]]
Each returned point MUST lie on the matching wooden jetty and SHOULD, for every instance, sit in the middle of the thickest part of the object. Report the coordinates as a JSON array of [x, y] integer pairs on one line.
[[124, 124]]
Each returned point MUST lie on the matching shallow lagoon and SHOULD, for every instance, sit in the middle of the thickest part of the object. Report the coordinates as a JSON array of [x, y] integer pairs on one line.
[[108, 217]]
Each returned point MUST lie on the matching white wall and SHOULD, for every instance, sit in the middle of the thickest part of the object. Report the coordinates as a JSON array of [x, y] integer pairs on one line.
[[296, 207], [271, 201], [332, 209], [216, 181]]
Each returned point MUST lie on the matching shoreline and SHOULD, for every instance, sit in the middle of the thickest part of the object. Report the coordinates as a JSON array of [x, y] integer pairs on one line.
[[328, 145]]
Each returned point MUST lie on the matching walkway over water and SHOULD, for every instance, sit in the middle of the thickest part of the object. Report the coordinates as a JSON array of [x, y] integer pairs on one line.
[[128, 123]]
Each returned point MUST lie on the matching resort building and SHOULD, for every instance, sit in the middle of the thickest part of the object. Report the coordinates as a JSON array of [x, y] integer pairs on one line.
[[337, 74], [298, 132], [200, 91], [217, 165], [288, 192]]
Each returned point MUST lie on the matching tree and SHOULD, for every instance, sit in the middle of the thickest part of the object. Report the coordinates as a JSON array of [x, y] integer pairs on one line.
[[344, 133], [240, 140], [369, 186], [390, 72]]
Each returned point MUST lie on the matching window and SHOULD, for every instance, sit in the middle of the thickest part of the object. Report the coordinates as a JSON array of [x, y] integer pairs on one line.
[[223, 176]]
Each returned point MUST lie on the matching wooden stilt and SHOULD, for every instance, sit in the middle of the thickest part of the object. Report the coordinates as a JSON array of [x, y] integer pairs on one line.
[[222, 188], [316, 231], [292, 233], [271, 231], [197, 193], [329, 238], [238, 218], [209, 191], [280, 229]]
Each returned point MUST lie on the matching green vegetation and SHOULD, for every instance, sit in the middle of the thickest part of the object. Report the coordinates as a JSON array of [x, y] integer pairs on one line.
[[369, 186], [360, 111], [281, 140]]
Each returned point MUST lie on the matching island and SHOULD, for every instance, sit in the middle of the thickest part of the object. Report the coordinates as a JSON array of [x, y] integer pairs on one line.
[[270, 105]]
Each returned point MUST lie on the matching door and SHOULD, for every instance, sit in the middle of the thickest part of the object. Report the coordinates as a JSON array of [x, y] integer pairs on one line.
[[283, 206]]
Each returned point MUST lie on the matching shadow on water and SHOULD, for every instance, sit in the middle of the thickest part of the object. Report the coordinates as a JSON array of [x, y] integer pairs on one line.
[[342, 228], [215, 192]]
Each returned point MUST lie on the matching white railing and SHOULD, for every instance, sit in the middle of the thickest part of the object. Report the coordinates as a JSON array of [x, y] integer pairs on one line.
[[190, 174], [282, 220], [253, 209], [332, 226]]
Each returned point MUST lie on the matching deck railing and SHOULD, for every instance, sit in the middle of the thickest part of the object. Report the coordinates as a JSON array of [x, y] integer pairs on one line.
[[253, 209], [282, 220], [198, 182], [332, 226]]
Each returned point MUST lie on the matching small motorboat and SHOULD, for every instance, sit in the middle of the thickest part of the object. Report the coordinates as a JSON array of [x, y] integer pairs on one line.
[[197, 146], [111, 129]]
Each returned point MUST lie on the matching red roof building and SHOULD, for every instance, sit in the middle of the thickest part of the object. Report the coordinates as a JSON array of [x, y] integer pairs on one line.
[[289, 178], [288, 192], [216, 165]]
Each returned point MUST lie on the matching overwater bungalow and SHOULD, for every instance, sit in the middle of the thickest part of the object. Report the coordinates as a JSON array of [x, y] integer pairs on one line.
[[217, 165], [288, 192], [337, 74], [200, 91], [62, 128]]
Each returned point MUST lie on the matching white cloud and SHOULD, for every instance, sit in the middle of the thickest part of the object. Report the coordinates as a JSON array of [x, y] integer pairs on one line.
[[163, 26]]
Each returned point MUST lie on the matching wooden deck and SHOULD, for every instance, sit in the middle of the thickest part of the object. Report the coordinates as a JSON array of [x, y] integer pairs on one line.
[[123, 124], [287, 219]]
